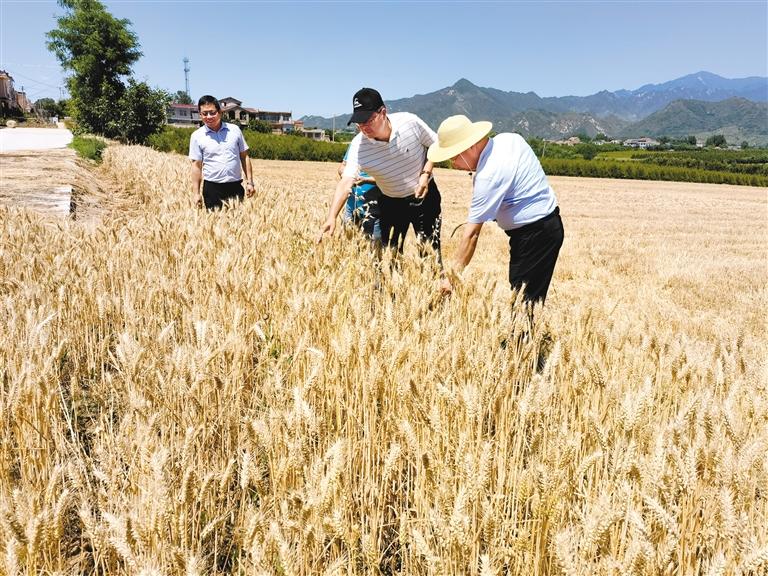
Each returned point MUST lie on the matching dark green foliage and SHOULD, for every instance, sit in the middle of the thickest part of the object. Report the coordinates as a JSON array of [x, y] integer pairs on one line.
[[182, 97], [265, 146], [718, 140], [586, 150], [171, 139], [343, 136], [260, 126], [685, 164], [277, 147], [642, 171], [735, 161], [98, 50], [49, 107], [142, 112], [87, 147]]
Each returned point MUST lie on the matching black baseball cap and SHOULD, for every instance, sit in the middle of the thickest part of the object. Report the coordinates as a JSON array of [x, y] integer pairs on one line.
[[365, 102]]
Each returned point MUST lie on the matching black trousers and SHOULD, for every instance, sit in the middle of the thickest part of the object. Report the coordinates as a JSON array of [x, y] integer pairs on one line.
[[533, 251], [216, 193], [397, 214]]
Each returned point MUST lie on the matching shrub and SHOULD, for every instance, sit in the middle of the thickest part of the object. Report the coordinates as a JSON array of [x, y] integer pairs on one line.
[[88, 147]]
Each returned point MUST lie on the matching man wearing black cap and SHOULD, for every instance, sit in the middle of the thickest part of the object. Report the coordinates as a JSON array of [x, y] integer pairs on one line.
[[393, 149]]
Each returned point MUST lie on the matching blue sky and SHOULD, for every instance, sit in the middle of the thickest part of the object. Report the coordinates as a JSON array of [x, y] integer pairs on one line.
[[310, 57]]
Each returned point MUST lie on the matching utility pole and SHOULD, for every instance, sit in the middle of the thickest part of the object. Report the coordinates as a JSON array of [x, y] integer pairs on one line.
[[186, 76]]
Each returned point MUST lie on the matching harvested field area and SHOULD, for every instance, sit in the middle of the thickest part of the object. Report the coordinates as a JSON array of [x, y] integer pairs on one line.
[[57, 183], [41, 180], [186, 392]]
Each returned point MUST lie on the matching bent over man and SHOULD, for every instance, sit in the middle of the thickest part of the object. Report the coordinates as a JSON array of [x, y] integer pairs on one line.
[[392, 149], [510, 187]]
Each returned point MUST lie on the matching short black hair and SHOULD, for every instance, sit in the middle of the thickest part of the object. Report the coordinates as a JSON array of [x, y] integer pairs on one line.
[[208, 99]]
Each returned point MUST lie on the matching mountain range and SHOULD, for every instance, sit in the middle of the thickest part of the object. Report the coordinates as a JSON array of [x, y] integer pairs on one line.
[[699, 104]]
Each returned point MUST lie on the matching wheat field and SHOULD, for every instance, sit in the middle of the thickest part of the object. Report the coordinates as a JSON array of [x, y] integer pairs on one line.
[[192, 393]]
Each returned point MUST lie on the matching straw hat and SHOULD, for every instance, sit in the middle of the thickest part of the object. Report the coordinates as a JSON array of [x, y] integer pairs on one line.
[[456, 134]]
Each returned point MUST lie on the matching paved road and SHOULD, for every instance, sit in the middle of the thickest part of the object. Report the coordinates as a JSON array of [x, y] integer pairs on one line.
[[12, 139]]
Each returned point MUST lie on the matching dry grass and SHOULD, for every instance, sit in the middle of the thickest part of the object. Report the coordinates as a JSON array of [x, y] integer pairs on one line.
[[194, 393]]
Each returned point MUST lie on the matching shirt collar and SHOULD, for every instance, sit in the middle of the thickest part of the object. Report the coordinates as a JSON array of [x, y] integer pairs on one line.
[[223, 127]]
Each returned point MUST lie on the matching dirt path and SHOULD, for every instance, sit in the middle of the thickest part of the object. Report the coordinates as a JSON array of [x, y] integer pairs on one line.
[[39, 179], [53, 183]]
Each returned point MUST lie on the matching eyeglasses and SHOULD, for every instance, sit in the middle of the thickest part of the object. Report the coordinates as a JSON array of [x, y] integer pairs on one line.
[[209, 113], [370, 119]]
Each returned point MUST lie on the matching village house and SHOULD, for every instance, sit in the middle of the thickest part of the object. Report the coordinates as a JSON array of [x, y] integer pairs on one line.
[[183, 114], [8, 98], [22, 102], [12, 101], [234, 111], [641, 142], [572, 141]]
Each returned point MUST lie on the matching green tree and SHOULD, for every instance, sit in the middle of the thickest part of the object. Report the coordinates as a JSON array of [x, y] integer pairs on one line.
[[46, 107], [744, 145], [98, 50], [587, 150], [717, 140], [260, 126], [691, 140], [142, 112], [182, 97], [601, 137], [343, 136]]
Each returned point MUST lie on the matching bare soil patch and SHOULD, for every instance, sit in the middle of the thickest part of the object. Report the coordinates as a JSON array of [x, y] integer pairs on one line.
[[56, 183]]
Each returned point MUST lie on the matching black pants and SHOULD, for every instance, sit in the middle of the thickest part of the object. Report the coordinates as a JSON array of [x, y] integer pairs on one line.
[[216, 193], [533, 251], [397, 214]]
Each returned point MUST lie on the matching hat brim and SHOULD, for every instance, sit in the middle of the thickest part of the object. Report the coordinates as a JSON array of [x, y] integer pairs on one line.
[[475, 133], [360, 116]]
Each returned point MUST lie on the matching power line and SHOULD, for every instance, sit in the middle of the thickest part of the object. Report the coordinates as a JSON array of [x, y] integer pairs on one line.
[[35, 81]]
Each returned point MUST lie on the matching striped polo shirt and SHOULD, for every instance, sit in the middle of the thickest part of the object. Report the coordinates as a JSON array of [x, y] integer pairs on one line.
[[397, 164]]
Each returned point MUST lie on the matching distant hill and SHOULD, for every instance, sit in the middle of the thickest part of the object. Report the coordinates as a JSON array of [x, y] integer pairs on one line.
[[738, 119], [612, 113]]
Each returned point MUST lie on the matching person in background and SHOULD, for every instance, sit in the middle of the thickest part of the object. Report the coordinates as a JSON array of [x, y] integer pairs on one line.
[[509, 187], [219, 157], [362, 206]]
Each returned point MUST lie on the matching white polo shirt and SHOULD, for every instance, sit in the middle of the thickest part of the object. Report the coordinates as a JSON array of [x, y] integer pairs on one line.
[[509, 185], [397, 164], [219, 151]]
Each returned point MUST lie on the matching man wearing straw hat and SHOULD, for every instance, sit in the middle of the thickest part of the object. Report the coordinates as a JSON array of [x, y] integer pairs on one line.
[[392, 149], [510, 187]]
